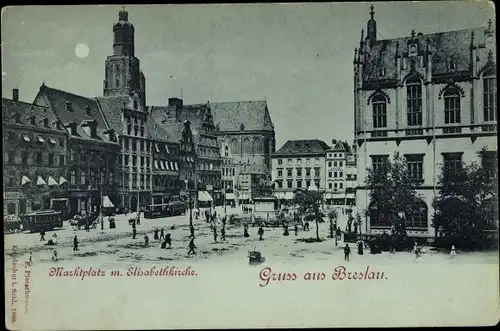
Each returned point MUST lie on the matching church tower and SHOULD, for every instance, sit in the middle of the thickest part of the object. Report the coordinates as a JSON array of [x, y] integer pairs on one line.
[[122, 69]]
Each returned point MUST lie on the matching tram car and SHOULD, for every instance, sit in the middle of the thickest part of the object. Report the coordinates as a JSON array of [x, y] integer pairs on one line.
[[173, 208], [43, 219]]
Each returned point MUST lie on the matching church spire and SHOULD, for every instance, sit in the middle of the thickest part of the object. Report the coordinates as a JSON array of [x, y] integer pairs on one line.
[[371, 28]]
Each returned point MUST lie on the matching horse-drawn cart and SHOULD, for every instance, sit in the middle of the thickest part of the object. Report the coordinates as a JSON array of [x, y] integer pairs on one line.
[[255, 257]]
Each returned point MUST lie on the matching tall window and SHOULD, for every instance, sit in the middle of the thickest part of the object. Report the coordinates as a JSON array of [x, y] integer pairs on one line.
[[452, 160], [235, 146], [51, 159], [299, 172], [72, 177], [417, 217], [415, 163], [414, 101], [289, 184], [490, 99], [378, 161], [39, 158], [451, 106], [82, 177], [61, 160], [289, 172], [379, 111]]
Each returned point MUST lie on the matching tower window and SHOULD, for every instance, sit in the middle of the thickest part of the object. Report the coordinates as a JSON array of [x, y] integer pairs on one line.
[[414, 97], [451, 106], [379, 111]]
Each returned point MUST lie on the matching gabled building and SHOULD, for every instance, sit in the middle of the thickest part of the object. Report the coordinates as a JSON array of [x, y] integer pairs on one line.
[[35, 158], [93, 148], [340, 166], [299, 165], [429, 97]]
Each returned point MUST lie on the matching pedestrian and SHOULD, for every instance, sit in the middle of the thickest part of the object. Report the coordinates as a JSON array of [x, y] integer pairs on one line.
[[453, 251], [306, 226], [260, 232], [168, 240], [360, 247], [75, 243], [54, 256], [296, 228], [191, 230], [245, 231], [162, 234], [31, 256], [87, 227], [223, 234], [215, 234], [347, 252], [191, 247], [42, 235], [285, 233], [155, 235], [146, 240], [134, 232], [138, 219]]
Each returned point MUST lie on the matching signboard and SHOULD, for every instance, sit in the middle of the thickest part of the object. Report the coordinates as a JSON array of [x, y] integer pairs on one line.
[[10, 195]]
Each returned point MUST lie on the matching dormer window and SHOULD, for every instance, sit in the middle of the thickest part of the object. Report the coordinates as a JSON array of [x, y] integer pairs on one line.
[[412, 50], [33, 120], [69, 106], [88, 111], [45, 122], [242, 127]]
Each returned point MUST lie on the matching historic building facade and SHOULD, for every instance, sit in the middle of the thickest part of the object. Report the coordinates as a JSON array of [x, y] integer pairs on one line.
[[432, 99], [299, 164], [340, 166], [93, 149], [35, 158]]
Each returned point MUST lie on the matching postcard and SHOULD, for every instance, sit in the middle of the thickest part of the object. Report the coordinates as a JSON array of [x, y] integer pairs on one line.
[[275, 165]]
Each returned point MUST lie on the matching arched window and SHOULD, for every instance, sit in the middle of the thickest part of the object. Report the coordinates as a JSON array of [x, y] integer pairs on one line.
[[226, 151], [235, 146], [379, 104], [489, 96], [377, 217], [247, 146], [451, 106], [414, 101], [257, 146], [417, 218]]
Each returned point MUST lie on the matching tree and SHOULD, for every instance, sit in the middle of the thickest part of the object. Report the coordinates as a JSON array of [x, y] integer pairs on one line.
[[392, 190], [309, 202], [466, 204], [332, 216]]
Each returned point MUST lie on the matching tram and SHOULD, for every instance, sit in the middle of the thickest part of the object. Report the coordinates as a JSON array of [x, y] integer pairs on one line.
[[173, 208]]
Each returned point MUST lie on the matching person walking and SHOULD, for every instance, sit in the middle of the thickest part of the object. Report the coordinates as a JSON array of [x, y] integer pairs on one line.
[[42, 235], [261, 232], [360, 247], [134, 232], [191, 230], [245, 231], [162, 234], [146, 240], [215, 234], [347, 252], [296, 229], [191, 247], [223, 233], [453, 251], [75, 243], [155, 235], [168, 240]]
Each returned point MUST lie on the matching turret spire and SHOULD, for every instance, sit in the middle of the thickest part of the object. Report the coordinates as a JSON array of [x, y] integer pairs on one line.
[[371, 28]]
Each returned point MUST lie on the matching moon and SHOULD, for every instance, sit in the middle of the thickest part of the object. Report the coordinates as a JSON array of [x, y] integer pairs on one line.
[[82, 50]]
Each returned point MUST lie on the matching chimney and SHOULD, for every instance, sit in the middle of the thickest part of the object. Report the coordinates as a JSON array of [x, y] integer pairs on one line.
[[175, 102], [15, 94]]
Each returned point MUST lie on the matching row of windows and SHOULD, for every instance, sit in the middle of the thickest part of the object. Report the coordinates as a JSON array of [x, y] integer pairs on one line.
[[452, 104], [13, 138], [415, 162], [335, 185], [340, 155], [247, 146], [228, 171], [335, 164], [289, 184], [299, 172], [86, 155], [35, 158], [416, 219], [137, 182], [143, 160], [298, 162], [33, 121], [93, 178], [339, 174]]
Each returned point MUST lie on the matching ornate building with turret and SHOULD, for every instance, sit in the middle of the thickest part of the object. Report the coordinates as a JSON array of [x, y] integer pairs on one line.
[[429, 97]]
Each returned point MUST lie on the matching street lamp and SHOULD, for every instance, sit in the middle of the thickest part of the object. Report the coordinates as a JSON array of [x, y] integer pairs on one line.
[[190, 203]]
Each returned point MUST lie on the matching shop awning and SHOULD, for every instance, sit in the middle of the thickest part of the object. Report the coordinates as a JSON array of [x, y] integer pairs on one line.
[[162, 165], [166, 149], [156, 164], [26, 138], [204, 196], [106, 202], [40, 139], [172, 165], [62, 180], [52, 141], [25, 180], [176, 167], [157, 149], [40, 181], [166, 165], [52, 181], [230, 196]]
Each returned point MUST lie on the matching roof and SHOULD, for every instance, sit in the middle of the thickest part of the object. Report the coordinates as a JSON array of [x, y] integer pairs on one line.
[[111, 107], [171, 128], [339, 145], [313, 146], [254, 115], [444, 46], [157, 131], [10, 108], [57, 100], [254, 169]]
